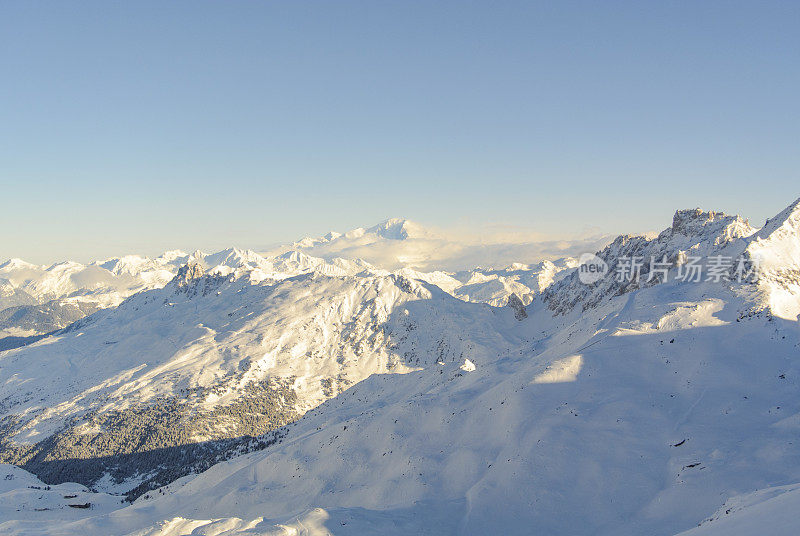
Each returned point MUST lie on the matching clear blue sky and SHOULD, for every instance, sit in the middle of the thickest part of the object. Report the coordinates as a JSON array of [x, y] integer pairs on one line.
[[140, 126]]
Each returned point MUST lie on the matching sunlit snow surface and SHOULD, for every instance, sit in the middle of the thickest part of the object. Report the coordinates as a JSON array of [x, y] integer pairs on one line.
[[651, 412]]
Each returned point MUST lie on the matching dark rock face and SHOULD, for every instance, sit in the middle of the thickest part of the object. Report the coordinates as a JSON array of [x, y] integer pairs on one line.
[[519, 308]]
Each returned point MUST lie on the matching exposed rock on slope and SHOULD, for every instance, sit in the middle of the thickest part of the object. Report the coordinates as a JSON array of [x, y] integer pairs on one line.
[[693, 233], [210, 361]]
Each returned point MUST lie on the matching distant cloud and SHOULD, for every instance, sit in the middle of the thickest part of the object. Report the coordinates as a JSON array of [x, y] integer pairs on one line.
[[401, 243]]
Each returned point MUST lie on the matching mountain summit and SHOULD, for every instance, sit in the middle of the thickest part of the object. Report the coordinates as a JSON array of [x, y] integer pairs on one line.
[[399, 229]]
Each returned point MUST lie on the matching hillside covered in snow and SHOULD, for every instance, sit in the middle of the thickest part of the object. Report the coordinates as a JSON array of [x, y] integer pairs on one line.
[[239, 393], [36, 300]]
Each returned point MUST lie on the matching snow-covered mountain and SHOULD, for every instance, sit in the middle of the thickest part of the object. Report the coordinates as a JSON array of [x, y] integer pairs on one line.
[[35, 300], [218, 357], [38, 299], [398, 243], [769, 257], [372, 401], [693, 233]]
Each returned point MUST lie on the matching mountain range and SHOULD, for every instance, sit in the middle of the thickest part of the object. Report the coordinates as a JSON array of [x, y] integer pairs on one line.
[[35, 300], [315, 390]]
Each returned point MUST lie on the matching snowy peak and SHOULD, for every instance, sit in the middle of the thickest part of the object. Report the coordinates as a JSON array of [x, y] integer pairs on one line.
[[496, 287], [694, 233], [232, 258], [19, 272], [295, 257], [770, 259], [171, 256], [789, 216], [309, 242], [775, 252], [129, 264], [18, 264], [785, 224], [187, 273], [716, 226], [106, 283], [295, 262], [394, 229], [399, 243], [399, 229]]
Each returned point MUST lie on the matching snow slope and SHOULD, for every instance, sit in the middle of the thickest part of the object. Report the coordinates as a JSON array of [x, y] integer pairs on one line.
[[776, 250], [38, 299], [217, 357], [609, 409], [594, 424], [770, 511], [23, 493]]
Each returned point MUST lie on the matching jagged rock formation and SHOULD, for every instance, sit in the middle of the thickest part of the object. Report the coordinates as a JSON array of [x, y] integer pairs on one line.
[[693, 233], [187, 274]]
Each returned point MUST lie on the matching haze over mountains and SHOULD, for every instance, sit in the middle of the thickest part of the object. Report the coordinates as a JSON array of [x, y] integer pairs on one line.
[[370, 383], [39, 299]]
